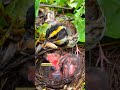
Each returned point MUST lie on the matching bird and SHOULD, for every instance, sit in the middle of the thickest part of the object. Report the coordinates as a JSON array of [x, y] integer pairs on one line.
[[62, 36], [95, 23], [59, 36], [66, 65], [95, 28], [70, 65]]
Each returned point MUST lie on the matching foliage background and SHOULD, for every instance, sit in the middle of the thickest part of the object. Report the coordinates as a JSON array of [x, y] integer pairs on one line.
[[78, 7], [112, 13]]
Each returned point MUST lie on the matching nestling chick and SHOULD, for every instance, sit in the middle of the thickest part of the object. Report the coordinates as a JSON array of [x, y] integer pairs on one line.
[[70, 65], [65, 66]]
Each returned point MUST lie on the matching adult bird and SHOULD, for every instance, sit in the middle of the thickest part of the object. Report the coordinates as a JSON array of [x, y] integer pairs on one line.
[[60, 34], [95, 28]]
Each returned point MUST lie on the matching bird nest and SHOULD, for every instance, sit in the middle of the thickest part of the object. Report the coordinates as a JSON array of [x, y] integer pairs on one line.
[[48, 77], [112, 53]]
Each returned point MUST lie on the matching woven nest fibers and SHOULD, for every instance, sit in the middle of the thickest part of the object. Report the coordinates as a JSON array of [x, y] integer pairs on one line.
[[68, 69]]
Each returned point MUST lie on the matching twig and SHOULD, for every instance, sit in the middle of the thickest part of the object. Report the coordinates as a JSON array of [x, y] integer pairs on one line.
[[52, 6], [109, 44], [3, 83], [19, 61], [42, 52], [113, 69]]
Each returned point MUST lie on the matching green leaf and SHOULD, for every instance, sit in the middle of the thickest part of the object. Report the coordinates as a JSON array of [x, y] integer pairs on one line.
[[3, 22], [17, 10], [79, 22], [80, 26], [80, 2], [42, 29], [73, 5], [111, 10], [37, 2], [60, 2], [1, 6]]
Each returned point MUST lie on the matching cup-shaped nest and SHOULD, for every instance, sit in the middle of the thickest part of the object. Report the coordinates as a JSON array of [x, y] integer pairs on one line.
[[65, 72]]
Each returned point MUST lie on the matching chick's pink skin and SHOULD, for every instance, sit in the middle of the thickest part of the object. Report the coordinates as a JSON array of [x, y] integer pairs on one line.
[[71, 70], [68, 68], [53, 58], [69, 64]]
